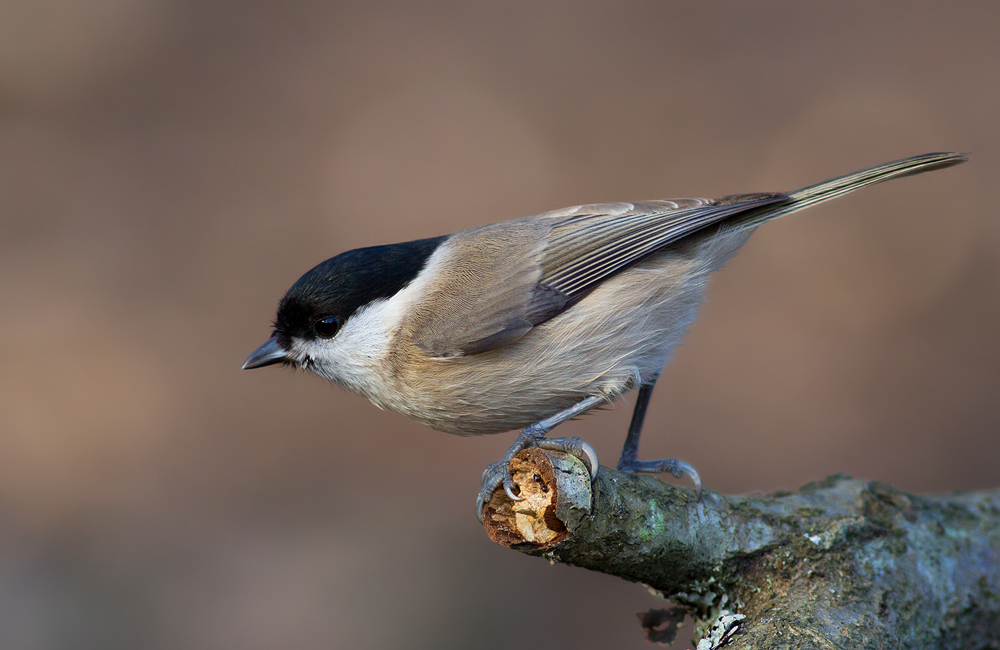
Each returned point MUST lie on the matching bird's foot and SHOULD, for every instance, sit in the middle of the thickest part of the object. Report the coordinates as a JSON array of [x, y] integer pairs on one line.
[[498, 474], [678, 468]]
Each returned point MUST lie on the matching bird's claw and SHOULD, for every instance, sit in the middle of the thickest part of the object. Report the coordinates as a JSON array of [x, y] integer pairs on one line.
[[498, 474], [493, 476], [677, 468], [574, 447]]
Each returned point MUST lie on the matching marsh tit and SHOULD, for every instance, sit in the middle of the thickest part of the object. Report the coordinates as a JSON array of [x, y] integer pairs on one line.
[[525, 324]]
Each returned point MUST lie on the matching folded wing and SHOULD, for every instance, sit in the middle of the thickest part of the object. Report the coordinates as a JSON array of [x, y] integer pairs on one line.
[[531, 270]]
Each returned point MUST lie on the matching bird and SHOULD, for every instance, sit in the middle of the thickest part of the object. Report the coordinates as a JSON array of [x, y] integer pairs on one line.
[[527, 323]]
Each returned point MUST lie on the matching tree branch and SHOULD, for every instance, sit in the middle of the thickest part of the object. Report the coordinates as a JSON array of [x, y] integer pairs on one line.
[[839, 564]]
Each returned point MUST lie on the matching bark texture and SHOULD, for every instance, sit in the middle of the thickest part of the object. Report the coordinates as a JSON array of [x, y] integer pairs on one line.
[[840, 563]]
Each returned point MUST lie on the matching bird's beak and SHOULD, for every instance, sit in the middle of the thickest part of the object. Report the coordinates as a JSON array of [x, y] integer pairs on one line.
[[268, 354]]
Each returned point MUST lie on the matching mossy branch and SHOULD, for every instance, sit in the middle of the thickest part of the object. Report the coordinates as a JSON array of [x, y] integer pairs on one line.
[[839, 564]]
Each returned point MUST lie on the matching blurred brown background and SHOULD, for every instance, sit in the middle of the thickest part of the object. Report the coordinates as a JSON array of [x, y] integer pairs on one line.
[[169, 167]]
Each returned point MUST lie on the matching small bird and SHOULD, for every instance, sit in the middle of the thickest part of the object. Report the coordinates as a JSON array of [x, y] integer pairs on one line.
[[527, 323]]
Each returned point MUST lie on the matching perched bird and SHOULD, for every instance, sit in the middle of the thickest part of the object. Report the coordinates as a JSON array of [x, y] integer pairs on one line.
[[527, 323]]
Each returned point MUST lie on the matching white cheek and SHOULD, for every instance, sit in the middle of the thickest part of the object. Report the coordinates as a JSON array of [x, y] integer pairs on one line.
[[355, 356]]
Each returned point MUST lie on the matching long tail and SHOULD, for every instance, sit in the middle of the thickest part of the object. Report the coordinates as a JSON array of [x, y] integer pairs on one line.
[[831, 189]]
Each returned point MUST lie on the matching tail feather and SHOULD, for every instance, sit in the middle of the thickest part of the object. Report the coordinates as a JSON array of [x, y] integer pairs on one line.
[[830, 189]]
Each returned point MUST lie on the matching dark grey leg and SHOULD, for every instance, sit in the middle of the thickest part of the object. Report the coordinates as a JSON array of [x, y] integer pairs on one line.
[[630, 452], [631, 449]]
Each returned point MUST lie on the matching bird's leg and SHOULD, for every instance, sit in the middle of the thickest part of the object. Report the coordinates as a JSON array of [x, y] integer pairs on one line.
[[629, 463], [534, 436]]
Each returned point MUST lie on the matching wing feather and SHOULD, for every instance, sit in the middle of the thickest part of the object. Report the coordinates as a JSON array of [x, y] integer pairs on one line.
[[584, 250], [531, 270]]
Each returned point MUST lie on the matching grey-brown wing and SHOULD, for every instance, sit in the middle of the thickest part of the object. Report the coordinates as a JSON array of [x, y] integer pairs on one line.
[[586, 249], [500, 281]]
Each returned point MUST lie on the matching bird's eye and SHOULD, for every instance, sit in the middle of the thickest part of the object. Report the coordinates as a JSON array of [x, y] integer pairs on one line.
[[327, 327]]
